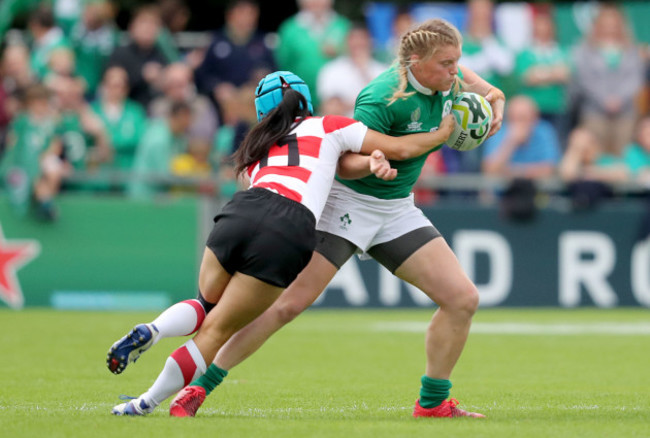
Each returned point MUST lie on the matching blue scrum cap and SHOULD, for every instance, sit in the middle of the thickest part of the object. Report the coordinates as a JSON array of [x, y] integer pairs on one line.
[[269, 91]]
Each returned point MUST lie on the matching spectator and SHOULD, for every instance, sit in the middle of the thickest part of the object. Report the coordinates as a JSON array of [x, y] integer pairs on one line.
[[80, 139], [589, 170], [230, 136], [643, 100], [177, 86], [341, 80], [30, 134], [141, 57], [543, 72], [62, 63], [125, 120], [174, 14], [163, 140], [67, 13], [402, 22], [238, 55], [525, 147], [311, 38], [608, 76], [482, 51], [462, 161], [585, 160], [17, 76], [93, 39], [47, 38], [5, 118], [195, 164], [11, 9], [637, 154]]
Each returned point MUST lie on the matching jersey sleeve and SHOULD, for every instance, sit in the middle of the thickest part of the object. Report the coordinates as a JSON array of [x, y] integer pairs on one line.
[[375, 115], [347, 132]]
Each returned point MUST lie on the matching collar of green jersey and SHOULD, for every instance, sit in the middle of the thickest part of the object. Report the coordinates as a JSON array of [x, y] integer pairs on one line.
[[421, 88]]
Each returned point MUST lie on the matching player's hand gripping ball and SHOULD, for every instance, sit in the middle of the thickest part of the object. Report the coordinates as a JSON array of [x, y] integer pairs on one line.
[[473, 119]]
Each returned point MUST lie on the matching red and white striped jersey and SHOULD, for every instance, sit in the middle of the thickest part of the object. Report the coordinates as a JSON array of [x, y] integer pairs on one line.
[[302, 166]]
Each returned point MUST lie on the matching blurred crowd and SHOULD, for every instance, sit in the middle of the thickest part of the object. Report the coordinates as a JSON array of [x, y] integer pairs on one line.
[[86, 106]]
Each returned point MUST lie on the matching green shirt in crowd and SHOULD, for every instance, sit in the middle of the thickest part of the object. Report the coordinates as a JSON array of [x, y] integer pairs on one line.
[[20, 166], [124, 131], [420, 112], [10, 9], [637, 158], [154, 156], [551, 98], [67, 13], [167, 45], [28, 139], [75, 141], [300, 49], [92, 50], [41, 52], [491, 47]]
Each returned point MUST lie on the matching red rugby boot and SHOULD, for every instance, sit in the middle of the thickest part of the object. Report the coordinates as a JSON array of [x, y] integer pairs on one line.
[[447, 409], [187, 401]]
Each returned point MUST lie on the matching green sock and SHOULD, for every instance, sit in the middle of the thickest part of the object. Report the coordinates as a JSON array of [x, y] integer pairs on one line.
[[433, 391], [211, 379]]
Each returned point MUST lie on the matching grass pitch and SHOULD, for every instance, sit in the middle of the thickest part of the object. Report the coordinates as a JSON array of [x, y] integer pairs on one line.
[[534, 373]]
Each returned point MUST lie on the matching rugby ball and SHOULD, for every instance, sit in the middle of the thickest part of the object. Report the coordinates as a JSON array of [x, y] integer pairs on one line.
[[473, 120]]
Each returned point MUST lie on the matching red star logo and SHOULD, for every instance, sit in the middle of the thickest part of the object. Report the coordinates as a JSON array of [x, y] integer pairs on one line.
[[13, 255]]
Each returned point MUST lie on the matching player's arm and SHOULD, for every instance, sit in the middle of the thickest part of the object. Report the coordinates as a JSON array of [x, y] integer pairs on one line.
[[476, 84], [408, 146], [355, 166]]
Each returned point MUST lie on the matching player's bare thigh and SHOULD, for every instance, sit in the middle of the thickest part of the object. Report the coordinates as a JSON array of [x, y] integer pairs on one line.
[[434, 269], [213, 278]]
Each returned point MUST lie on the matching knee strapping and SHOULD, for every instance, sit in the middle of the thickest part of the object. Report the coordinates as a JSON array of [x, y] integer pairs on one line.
[[206, 305]]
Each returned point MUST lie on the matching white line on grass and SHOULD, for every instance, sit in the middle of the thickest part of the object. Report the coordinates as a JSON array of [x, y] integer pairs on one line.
[[522, 328], [296, 412]]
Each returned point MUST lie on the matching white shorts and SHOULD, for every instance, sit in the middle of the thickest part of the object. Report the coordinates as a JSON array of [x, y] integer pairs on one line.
[[367, 221]]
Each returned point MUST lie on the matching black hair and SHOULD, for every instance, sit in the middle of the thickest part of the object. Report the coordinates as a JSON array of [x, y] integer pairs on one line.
[[359, 25], [179, 107], [271, 129], [43, 16], [236, 3]]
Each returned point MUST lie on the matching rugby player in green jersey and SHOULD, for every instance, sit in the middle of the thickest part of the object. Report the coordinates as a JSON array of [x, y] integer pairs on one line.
[[412, 96]]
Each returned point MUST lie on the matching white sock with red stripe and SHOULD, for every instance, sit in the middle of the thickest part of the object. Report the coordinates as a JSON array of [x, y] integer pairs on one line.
[[181, 319], [182, 367]]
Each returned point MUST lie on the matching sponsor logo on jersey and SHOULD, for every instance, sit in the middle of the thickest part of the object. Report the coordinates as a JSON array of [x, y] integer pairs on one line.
[[415, 124], [13, 255]]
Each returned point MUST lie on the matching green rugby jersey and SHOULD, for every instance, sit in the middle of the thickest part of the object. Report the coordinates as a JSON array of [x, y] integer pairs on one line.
[[125, 131], [28, 139], [419, 112], [75, 141]]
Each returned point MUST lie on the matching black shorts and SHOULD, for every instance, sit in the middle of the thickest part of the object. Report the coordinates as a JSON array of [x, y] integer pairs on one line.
[[264, 235]]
